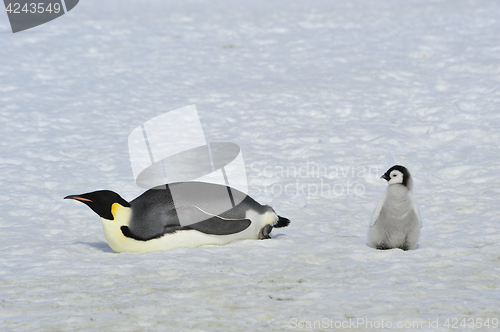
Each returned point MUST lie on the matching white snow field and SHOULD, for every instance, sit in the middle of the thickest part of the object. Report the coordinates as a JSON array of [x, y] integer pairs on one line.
[[322, 97]]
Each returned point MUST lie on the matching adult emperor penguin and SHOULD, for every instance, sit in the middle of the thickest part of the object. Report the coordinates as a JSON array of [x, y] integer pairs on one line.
[[396, 221], [183, 214]]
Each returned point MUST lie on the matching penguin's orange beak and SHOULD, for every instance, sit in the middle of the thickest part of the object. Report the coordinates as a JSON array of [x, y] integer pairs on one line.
[[78, 198]]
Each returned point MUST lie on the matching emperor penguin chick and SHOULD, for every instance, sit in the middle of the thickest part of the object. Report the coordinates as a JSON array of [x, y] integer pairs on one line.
[[182, 214], [396, 221]]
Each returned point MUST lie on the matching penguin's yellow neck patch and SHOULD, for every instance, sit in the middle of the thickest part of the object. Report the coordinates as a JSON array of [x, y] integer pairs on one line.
[[112, 228], [121, 214], [114, 209]]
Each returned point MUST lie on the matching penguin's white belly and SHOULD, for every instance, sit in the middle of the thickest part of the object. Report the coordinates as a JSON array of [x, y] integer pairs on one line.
[[184, 238]]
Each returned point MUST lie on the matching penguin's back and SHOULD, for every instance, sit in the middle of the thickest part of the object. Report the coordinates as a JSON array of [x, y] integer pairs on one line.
[[177, 206]]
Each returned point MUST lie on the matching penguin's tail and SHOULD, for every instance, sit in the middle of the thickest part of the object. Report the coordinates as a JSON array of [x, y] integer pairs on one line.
[[281, 222]]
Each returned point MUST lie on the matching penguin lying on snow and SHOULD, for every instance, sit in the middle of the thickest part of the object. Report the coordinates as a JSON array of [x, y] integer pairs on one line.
[[396, 221], [152, 220]]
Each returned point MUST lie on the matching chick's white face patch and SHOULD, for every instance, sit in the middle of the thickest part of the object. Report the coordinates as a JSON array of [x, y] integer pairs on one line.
[[396, 177]]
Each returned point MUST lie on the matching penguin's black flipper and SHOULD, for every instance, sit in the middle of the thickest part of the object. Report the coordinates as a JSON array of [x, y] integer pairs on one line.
[[219, 226]]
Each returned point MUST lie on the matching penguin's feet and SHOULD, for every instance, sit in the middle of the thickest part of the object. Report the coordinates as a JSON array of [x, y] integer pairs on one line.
[[264, 232], [383, 246], [405, 247]]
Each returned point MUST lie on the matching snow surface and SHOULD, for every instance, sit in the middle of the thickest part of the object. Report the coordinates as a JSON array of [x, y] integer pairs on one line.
[[350, 87]]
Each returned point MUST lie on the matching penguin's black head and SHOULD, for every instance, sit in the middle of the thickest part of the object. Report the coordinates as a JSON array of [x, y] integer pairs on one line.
[[101, 202], [398, 174]]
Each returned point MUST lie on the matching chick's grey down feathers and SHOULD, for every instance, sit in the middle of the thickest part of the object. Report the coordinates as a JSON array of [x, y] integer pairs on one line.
[[396, 222]]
